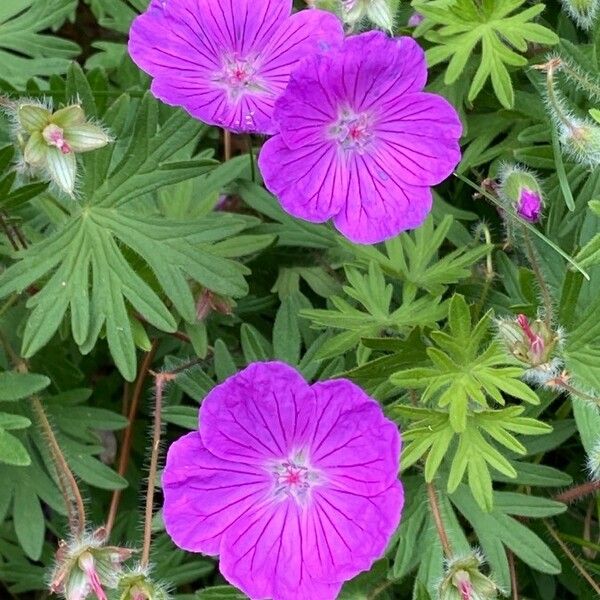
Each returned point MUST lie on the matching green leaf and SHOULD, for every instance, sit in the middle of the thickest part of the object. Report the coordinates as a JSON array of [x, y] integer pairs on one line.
[[220, 592], [458, 27], [24, 52], [286, 332], [12, 451], [16, 386]]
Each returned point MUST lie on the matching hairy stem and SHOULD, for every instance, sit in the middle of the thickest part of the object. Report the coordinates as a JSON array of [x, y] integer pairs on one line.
[[127, 437], [226, 145], [160, 380], [578, 492], [514, 583], [68, 484], [66, 479], [437, 517], [537, 271], [552, 97], [576, 563], [8, 233]]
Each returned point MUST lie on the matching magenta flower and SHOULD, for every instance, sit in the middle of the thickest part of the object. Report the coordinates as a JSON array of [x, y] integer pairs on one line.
[[227, 61], [359, 141], [294, 486], [530, 205]]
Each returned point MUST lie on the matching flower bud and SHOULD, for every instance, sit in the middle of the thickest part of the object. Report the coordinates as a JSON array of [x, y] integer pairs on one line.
[[379, 12], [463, 580], [533, 344], [520, 189], [415, 19], [581, 140], [85, 566], [50, 140], [210, 302], [137, 585], [583, 12]]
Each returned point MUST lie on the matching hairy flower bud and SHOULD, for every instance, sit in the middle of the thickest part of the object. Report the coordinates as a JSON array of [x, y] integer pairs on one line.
[[534, 344], [379, 12], [137, 585], [415, 19], [86, 566], [581, 140], [50, 140], [463, 580], [210, 302], [583, 12], [521, 190]]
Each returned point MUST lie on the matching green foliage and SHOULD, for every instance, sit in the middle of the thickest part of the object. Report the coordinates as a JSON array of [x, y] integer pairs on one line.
[[461, 25], [24, 51], [173, 259]]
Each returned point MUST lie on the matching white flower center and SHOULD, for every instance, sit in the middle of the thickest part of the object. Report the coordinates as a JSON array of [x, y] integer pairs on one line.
[[294, 478], [238, 75], [352, 131]]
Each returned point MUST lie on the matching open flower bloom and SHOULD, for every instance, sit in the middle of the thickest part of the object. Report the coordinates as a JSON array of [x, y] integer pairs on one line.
[[294, 486], [359, 141], [227, 61]]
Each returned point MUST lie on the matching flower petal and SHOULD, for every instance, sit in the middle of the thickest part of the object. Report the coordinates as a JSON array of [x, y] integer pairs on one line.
[[355, 446], [261, 413], [417, 138], [205, 495], [379, 206], [268, 556], [315, 192], [347, 532]]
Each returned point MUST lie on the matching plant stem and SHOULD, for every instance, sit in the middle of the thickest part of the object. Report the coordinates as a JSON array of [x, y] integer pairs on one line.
[[552, 98], [578, 492], [66, 480], [251, 154], [514, 583], [572, 558], [537, 271], [8, 233], [68, 485], [226, 145], [160, 380], [437, 517], [127, 437]]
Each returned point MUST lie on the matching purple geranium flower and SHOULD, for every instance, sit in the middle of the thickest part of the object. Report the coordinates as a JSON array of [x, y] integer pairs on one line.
[[227, 61], [294, 486], [359, 141], [530, 205]]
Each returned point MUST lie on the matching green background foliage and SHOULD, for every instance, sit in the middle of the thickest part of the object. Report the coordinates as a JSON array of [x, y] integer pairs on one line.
[[97, 290]]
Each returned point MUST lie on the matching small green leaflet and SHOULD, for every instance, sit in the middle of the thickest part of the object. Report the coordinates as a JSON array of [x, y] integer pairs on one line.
[[461, 25], [375, 316], [24, 52]]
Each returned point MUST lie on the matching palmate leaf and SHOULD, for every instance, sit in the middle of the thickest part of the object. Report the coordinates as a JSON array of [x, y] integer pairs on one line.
[[26, 53], [413, 258], [375, 317], [463, 25], [463, 371], [89, 265], [498, 530], [474, 454]]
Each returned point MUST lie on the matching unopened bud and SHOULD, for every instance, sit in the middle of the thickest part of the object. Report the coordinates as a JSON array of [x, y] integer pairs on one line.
[[581, 140], [415, 19], [532, 343], [521, 190], [583, 12], [463, 580], [138, 585], [210, 302], [86, 566], [379, 12], [50, 140]]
